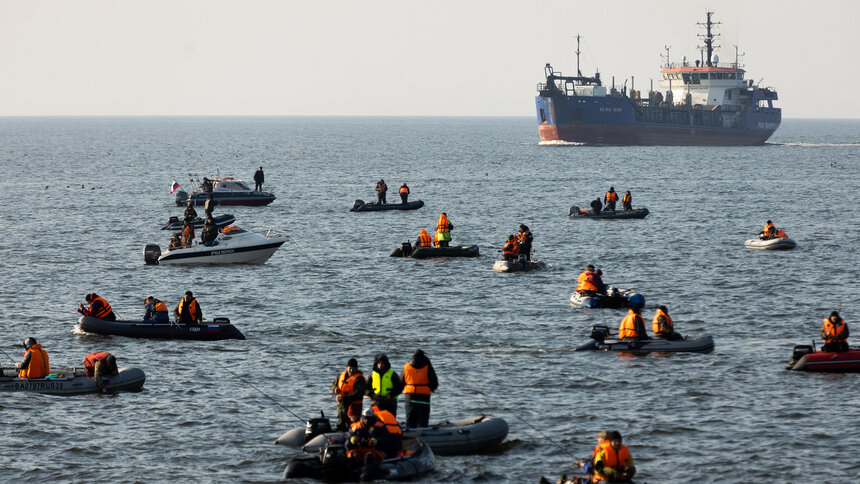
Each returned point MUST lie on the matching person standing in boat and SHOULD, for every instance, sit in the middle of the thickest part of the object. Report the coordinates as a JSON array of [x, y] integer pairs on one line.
[[206, 185], [596, 206], [35, 363], [209, 232], [259, 177], [155, 310], [187, 233], [385, 385], [663, 327], [419, 380], [610, 198], [443, 230], [190, 213], [632, 327], [188, 310], [349, 388], [511, 250], [381, 189], [404, 193], [627, 201], [98, 308], [834, 332], [524, 240]]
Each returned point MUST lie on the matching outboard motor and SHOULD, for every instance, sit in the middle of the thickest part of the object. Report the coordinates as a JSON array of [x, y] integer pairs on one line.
[[317, 426], [800, 351], [599, 332], [334, 463], [406, 249], [172, 220], [612, 291], [151, 253], [180, 197], [357, 203], [572, 210]]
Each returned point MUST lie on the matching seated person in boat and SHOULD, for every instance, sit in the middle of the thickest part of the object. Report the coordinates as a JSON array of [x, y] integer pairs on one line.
[[768, 232], [404, 193], [385, 384], [190, 213], [175, 241], [35, 362], [587, 465], [155, 310], [98, 308], [188, 311], [187, 233], [443, 231], [613, 461], [206, 186], [663, 327], [209, 232], [834, 332], [627, 201], [590, 283], [424, 239], [524, 239], [395, 442], [511, 250], [381, 189], [610, 198], [366, 439], [596, 206], [632, 327]]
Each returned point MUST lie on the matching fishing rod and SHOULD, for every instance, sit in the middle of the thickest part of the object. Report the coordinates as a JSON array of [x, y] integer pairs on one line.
[[300, 250], [7, 354], [265, 395]]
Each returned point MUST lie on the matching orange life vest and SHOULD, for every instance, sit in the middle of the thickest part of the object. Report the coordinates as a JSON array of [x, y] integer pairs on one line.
[[424, 239], [611, 197], [38, 366], [387, 419], [442, 224], [230, 229], [511, 247], [415, 380], [769, 230], [837, 332], [614, 459], [628, 326], [105, 308], [91, 359], [346, 383], [655, 324], [160, 307], [523, 236], [191, 308], [626, 198], [781, 234], [404, 189], [586, 281]]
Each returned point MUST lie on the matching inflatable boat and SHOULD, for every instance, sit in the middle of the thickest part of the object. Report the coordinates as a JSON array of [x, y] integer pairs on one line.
[[778, 243], [450, 437], [517, 266], [360, 206], [575, 212], [71, 381], [236, 247], [331, 465], [601, 341], [406, 250], [174, 223], [806, 358], [217, 329], [614, 298]]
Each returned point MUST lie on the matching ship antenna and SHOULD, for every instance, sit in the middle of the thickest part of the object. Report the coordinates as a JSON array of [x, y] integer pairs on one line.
[[738, 57], [709, 37], [667, 47], [578, 72]]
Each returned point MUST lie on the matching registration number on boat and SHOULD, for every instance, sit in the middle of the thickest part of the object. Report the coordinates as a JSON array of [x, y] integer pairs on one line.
[[222, 252], [39, 385]]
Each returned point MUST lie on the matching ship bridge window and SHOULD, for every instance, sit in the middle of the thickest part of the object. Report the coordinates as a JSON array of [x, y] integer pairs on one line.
[[740, 75], [730, 75], [686, 78], [694, 79]]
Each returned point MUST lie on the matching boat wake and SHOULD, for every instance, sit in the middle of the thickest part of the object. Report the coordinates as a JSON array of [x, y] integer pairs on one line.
[[817, 144], [559, 142]]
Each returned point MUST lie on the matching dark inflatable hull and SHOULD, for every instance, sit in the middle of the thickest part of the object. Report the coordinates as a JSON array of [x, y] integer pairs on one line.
[[703, 344], [72, 381], [431, 252], [221, 221], [419, 460], [375, 207], [625, 298], [224, 198], [575, 212], [219, 329]]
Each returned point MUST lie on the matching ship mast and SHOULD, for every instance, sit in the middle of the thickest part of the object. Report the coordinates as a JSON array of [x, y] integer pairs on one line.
[[709, 38], [578, 72]]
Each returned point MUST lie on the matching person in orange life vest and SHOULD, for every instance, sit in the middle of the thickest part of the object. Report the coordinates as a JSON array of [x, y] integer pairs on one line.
[[424, 239], [419, 380], [100, 366], [381, 188], [404, 193], [187, 233], [834, 332], [613, 461], [590, 282], [524, 239], [35, 362], [443, 231], [98, 308], [385, 385], [349, 388], [395, 442], [768, 232], [511, 250], [632, 327], [155, 310], [188, 310], [365, 441], [663, 327], [587, 465], [610, 198], [781, 234], [627, 201]]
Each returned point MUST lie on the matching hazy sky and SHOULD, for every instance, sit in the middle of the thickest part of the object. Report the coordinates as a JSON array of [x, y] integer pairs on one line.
[[386, 57]]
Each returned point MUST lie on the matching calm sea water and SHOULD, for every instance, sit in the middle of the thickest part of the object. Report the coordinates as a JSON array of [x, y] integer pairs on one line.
[[81, 196]]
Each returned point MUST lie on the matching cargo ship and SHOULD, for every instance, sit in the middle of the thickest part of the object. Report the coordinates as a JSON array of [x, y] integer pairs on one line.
[[706, 103]]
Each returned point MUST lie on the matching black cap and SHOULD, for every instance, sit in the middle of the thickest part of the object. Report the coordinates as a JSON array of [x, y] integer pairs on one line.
[[29, 342], [188, 293], [590, 267], [352, 363], [834, 313]]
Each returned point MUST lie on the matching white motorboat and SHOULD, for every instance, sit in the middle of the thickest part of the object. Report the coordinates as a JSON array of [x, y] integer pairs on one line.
[[232, 246], [779, 243]]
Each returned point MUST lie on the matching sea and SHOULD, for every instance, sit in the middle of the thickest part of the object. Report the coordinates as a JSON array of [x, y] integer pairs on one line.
[[81, 197]]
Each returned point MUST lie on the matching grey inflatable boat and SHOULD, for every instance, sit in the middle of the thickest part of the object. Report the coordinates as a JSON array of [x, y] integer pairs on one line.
[[71, 381], [517, 266], [360, 206], [601, 341], [575, 212]]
